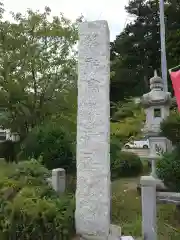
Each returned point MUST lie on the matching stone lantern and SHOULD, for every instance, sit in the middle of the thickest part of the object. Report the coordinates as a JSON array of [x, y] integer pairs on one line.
[[156, 104]]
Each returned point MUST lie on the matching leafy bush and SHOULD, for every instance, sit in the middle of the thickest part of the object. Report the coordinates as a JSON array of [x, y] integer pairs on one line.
[[168, 170], [32, 210], [170, 127], [127, 120], [129, 127], [52, 143], [126, 165], [115, 147], [123, 113], [30, 171], [126, 109]]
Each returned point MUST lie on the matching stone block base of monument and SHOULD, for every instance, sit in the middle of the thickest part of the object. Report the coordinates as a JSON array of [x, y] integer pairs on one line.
[[160, 187], [114, 234]]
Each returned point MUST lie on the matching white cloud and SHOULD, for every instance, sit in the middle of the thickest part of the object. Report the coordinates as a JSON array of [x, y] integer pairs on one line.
[[112, 11]]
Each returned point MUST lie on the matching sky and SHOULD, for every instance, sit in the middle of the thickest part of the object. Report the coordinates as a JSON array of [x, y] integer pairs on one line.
[[112, 11]]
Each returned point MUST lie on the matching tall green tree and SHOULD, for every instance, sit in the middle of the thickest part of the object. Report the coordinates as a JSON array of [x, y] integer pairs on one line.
[[37, 68], [173, 33], [135, 53]]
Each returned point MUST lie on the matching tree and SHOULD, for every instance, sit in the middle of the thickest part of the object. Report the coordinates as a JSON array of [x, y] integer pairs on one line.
[[135, 53], [170, 128], [37, 68], [136, 50]]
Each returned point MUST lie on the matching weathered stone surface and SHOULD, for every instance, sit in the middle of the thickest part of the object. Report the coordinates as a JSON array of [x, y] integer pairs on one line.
[[149, 221], [157, 96], [115, 230], [93, 161], [59, 180], [156, 103], [156, 99]]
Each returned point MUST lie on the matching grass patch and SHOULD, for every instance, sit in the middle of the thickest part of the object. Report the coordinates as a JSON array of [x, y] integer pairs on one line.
[[126, 212], [5, 168], [126, 206], [146, 167]]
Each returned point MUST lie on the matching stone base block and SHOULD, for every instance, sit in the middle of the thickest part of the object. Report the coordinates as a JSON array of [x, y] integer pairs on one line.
[[115, 234], [115, 230], [160, 187]]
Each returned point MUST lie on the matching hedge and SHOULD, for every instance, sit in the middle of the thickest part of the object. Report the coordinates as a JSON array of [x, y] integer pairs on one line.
[[126, 164]]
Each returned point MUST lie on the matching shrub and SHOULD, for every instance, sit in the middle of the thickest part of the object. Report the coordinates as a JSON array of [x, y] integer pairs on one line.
[[127, 121], [115, 147], [168, 170], [170, 127], [126, 165], [52, 143], [127, 128], [32, 218], [30, 171], [122, 113], [126, 109], [32, 210]]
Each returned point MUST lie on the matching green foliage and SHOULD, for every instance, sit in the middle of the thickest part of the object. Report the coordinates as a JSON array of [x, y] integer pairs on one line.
[[115, 147], [127, 212], [122, 112], [31, 168], [8, 150], [135, 53], [126, 164], [32, 210], [170, 127], [125, 109], [52, 142], [37, 68], [127, 120], [168, 169], [124, 130], [38, 218], [123, 164], [68, 124]]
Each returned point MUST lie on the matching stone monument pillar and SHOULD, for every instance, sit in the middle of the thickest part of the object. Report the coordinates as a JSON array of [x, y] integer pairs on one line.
[[93, 132], [156, 104]]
